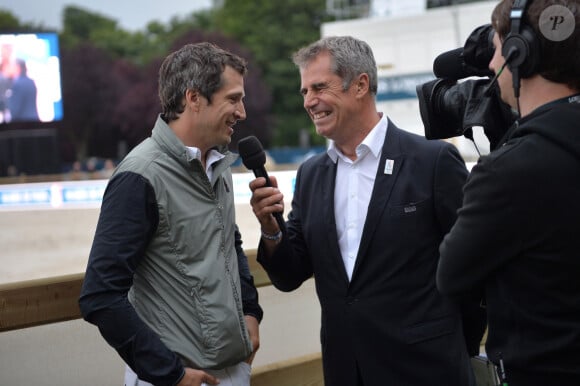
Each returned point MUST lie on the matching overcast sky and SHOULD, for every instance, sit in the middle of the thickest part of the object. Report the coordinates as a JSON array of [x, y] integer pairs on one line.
[[129, 14]]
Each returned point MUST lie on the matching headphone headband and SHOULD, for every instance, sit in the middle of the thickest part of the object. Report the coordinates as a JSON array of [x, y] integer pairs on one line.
[[521, 45], [517, 14]]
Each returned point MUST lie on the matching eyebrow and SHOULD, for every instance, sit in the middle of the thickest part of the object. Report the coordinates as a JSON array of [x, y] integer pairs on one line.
[[237, 95], [316, 86]]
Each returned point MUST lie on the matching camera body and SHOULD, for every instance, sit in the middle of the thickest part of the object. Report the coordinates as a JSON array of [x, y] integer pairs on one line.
[[450, 108]]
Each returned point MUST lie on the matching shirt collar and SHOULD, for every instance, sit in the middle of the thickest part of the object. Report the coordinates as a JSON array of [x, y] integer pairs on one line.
[[213, 156], [373, 142]]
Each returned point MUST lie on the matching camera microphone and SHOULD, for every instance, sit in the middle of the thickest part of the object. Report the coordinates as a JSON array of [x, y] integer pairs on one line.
[[451, 65], [254, 158], [470, 60]]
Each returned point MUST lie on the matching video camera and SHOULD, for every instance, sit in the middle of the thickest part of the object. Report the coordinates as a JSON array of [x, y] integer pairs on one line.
[[450, 108]]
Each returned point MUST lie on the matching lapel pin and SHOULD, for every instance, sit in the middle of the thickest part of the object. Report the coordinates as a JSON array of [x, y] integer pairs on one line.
[[389, 166]]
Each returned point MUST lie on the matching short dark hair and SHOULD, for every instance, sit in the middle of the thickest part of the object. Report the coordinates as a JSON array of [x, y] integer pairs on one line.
[[196, 67], [559, 60], [21, 63]]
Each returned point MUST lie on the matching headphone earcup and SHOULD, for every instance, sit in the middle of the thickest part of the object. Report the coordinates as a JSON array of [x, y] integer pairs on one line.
[[527, 52]]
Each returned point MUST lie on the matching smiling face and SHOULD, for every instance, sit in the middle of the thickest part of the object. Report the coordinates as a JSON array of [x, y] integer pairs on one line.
[[214, 121], [329, 106]]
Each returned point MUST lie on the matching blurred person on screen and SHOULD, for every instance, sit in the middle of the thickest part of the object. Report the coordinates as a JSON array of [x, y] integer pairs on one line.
[[21, 101]]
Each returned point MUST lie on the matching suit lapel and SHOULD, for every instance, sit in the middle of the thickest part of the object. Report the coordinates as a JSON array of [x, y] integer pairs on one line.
[[390, 164], [327, 181]]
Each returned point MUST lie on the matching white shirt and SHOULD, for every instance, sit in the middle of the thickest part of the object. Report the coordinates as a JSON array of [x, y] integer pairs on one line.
[[352, 191], [212, 157]]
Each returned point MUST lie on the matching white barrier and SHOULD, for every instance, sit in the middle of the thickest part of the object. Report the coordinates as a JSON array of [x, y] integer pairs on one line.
[[89, 193]]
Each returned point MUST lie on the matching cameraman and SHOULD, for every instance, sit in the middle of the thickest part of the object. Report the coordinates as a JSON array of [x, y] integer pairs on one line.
[[517, 234]]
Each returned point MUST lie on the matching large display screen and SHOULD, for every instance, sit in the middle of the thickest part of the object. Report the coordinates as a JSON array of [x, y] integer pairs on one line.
[[30, 82]]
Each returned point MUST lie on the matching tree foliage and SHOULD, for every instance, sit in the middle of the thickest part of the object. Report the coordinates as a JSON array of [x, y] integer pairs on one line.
[[90, 90], [258, 101], [272, 31], [122, 69], [109, 75], [138, 105], [81, 26], [8, 21]]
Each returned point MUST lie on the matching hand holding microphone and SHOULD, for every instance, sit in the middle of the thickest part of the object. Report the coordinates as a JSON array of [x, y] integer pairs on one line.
[[254, 158]]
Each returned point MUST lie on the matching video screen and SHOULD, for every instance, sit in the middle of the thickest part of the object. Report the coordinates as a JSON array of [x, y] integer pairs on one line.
[[30, 82]]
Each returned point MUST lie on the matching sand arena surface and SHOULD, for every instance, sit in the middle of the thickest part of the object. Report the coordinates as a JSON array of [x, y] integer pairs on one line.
[[36, 244], [53, 236]]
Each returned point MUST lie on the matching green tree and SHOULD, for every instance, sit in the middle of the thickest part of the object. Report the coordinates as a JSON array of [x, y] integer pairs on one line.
[[139, 47], [272, 31], [139, 104], [81, 26], [8, 21], [120, 68]]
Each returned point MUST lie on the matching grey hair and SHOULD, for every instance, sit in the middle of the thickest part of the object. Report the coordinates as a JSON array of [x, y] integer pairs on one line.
[[350, 58], [197, 67]]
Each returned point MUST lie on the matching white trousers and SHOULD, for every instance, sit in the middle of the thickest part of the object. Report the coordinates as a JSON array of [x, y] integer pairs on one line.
[[237, 375]]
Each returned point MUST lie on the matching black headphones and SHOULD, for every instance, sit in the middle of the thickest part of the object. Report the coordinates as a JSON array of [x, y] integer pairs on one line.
[[521, 47]]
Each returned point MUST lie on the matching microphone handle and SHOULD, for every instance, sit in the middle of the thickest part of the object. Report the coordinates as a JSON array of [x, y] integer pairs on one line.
[[261, 172]]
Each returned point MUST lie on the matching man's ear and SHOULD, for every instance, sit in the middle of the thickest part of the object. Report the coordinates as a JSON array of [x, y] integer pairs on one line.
[[192, 99], [362, 84]]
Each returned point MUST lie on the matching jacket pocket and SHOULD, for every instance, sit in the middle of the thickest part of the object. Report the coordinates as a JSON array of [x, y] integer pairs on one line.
[[207, 323], [409, 209], [430, 330]]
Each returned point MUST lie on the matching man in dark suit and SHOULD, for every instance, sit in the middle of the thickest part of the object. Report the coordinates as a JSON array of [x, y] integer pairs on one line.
[[22, 100], [366, 221]]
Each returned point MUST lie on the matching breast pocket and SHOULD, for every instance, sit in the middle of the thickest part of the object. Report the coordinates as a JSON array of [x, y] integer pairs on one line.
[[415, 220], [410, 210]]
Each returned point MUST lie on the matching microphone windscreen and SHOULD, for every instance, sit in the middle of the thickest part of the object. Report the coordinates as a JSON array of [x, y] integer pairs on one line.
[[252, 153], [450, 65]]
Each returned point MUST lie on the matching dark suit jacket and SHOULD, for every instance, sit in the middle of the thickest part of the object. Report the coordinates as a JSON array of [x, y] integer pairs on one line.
[[389, 322], [22, 102]]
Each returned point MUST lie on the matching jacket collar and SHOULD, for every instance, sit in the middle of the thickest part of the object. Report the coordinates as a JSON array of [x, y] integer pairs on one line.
[[166, 138]]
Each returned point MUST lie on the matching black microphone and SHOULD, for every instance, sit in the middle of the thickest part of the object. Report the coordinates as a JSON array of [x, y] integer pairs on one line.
[[452, 65], [254, 158], [470, 60]]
